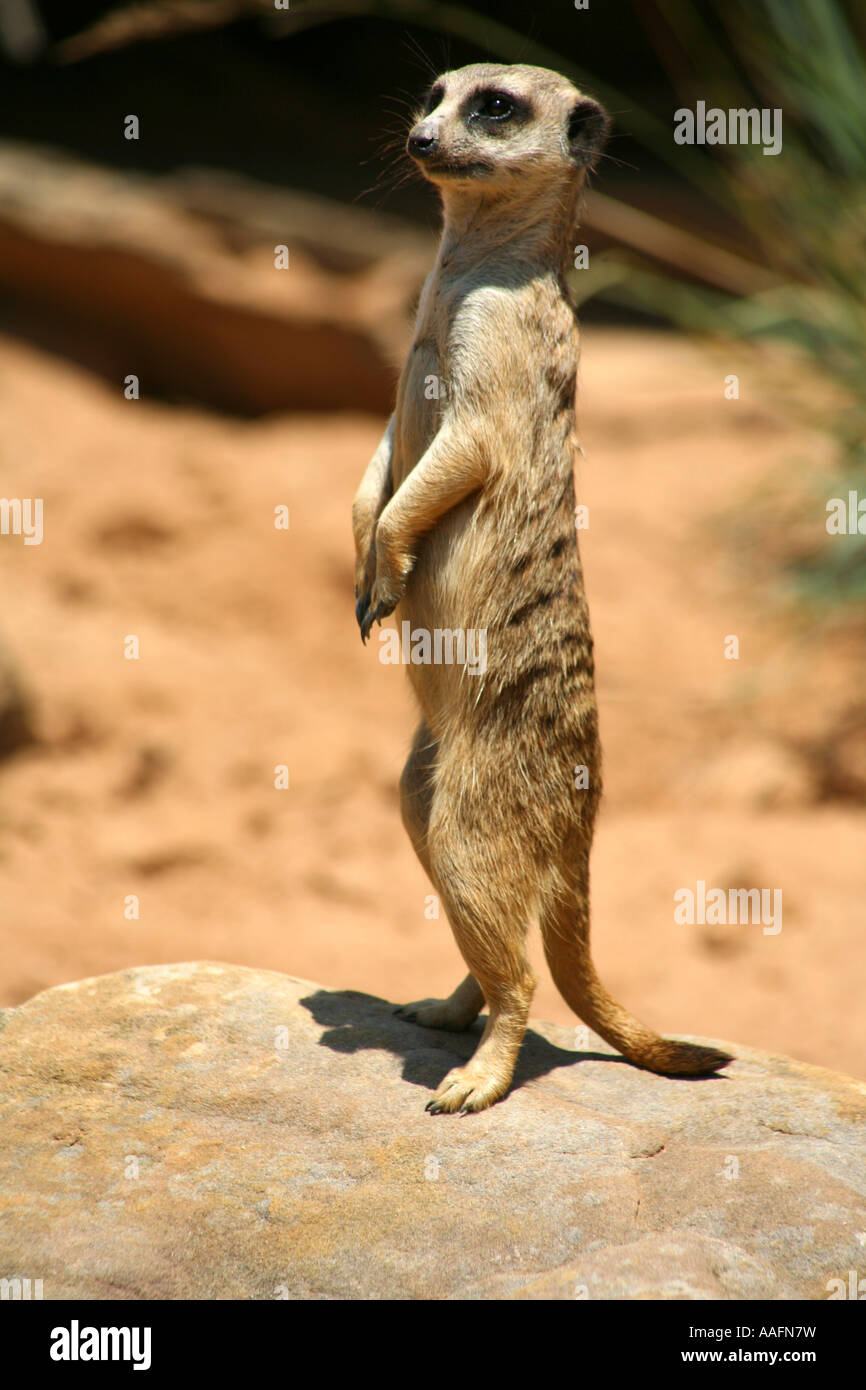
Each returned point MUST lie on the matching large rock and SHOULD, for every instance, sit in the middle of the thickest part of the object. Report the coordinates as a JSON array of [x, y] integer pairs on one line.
[[206, 1131]]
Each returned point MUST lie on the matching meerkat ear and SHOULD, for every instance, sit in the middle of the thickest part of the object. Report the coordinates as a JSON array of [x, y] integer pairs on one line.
[[587, 132]]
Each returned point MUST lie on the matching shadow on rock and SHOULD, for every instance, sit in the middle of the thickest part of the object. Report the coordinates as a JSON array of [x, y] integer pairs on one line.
[[355, 1022]]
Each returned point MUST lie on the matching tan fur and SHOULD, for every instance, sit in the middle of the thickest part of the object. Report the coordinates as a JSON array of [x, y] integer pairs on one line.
[[465, 520]]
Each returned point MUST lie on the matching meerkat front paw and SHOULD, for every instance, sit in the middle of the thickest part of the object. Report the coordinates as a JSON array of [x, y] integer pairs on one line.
[[379, 603], [371, 609], [468, 1089]]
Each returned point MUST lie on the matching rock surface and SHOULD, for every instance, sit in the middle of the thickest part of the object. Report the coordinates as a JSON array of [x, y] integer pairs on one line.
[[207, 1131]]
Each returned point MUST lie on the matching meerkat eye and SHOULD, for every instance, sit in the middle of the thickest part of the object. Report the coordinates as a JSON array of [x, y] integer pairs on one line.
[[495, 106]]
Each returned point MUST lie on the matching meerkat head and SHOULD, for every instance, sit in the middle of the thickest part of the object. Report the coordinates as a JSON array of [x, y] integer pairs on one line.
[[495, 126]]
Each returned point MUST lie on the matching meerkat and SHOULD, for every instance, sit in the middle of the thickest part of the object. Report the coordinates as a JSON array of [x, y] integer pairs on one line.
[[464, 520]]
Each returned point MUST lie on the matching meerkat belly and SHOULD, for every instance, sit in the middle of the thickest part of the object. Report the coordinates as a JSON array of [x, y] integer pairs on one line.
[[497, 614], [439, 639], [437, 616]]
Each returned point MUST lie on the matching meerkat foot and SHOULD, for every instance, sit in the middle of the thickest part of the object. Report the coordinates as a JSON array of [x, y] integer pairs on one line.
[[456, 1013], [438, 1013], [468, 1089]]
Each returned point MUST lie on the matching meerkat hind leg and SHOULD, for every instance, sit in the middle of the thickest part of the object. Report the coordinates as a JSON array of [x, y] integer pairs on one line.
[[460, 1010], [486, 1077], [492, 941]]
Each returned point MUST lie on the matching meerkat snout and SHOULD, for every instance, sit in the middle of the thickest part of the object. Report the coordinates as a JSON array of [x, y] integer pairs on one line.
[[420, 144]]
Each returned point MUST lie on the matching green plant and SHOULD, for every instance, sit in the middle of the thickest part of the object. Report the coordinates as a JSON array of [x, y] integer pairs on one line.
[[804, 213]]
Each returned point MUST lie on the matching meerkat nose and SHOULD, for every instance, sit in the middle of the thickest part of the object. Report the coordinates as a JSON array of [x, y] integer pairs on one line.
[[420, 144]]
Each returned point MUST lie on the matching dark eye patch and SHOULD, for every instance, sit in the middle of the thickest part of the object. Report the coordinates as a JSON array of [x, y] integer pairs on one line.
[[494, 108]]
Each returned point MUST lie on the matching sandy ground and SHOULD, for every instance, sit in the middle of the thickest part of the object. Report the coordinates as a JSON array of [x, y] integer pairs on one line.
[[155, 777]]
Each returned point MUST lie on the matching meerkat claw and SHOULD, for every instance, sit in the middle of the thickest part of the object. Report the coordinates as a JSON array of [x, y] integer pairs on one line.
[[369, 617], [375, 615], [363, 615]]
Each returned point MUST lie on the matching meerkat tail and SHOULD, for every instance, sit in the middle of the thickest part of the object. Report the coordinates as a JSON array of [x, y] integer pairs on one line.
[[566, 946]]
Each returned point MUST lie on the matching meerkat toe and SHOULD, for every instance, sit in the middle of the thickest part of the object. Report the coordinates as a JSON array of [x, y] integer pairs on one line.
[[384, 609], [408, 1013]]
